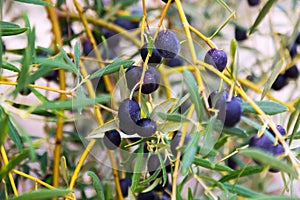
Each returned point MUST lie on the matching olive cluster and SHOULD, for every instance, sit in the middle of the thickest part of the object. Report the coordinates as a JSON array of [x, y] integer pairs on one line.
[[291, 72]]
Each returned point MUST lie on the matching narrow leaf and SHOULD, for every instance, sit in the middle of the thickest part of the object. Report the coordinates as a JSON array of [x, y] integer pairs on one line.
[[4, 125], [174, 117], [70, 104], [268, 159], [111, 68], [190, 153], [269, 107], [8, 28], [9, 66], [275, 72], [249, 170], [193, 90], [163, 107], [13, 162], [235, 131], [14, 135], [208, 165], [42, 194], [137, 168], [113, 124], [36, 2], [97, 185], [262, 15], [77, 55], [209, 139], [241, 190], [168, 126], [233, 46]]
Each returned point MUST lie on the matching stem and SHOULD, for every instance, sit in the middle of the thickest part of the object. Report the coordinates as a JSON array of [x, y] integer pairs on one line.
[[33, 179], [61, 74], [181, 143], [93, 141], [80, 163], [144, 19], [203, 37], [91, 38], [105, 24], [11, 178], [163, 14], [254, 87], [39, 87]]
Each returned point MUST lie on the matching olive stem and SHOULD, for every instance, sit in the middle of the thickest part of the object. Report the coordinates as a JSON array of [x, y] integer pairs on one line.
[[11, 178]]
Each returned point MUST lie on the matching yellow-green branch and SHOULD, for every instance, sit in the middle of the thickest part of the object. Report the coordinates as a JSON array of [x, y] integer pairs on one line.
[[10, 177], [61, 75]]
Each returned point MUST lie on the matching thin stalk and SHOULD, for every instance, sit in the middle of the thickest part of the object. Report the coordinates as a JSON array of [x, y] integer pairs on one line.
[[39, 87], [107, 82], [61, 74], [203, 37], [33, 179], [10, 177], [181, 143], [105, 24], [92, 143]]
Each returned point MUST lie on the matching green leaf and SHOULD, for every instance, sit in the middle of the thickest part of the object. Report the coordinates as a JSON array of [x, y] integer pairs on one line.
[[14, 135], [221, 141], [168, 127], [293, 116], [163, 107], [80, 95], [262, 15], [236, 131], [209, 139], [275, 72], [111, 68], [40, 113], [43, 99], [268, 159], [174, 117], [269, 107], [241, 190], [35, 2], [193, 90], [64, 169], [44, 162], [4, 125], [48, 64], [98, 7], [42, 194], [97, 185], [190, 153], [246, 171], [26, 138], [233, 46], [190, 194], [9, 66], [208, 165], [70, 104], [113, 124], [8, 28], [163, 169], [77, 55], [13, 162], [137, 168], [23, 79]]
